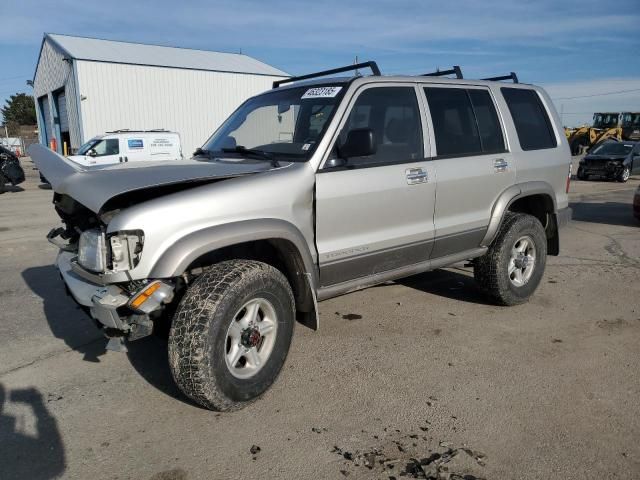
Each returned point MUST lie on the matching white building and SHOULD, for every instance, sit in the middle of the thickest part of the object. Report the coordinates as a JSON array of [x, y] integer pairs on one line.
[[86, 86]]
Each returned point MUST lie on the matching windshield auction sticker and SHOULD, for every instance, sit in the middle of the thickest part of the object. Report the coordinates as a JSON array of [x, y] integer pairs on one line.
[[321, 92]]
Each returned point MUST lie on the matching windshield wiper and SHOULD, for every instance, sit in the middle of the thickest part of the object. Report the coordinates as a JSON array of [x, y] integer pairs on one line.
[[203, 152], [257, 153]]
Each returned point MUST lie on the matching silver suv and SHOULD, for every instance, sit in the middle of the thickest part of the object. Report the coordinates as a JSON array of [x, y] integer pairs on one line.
[[319, 187]]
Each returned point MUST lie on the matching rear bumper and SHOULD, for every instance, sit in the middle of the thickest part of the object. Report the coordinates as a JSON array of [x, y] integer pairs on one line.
[[563, 217]]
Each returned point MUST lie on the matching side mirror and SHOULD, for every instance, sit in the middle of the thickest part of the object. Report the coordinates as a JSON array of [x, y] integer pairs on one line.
[[4, 156], [335, 162], [92, 153], [359, 143]]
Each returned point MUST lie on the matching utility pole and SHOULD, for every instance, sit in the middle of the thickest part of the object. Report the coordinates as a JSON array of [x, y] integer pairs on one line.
[[355, 62]]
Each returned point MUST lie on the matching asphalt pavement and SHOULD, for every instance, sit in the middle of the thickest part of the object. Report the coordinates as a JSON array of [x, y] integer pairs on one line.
[[409, 379]]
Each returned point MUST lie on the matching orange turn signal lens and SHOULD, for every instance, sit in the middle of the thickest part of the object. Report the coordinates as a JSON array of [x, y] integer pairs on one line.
[[144, 295]]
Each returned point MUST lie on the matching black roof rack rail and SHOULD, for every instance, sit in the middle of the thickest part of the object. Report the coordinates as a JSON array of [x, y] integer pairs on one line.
[[372, 65], [440, 73], [511, 76], [127, 130]]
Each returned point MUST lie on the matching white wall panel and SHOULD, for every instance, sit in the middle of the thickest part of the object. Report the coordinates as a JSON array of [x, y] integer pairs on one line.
[[192, 103], [54, 73]]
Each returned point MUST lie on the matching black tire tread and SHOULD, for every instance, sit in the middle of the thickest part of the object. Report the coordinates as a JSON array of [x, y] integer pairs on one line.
[[189, 344], [486, 268]]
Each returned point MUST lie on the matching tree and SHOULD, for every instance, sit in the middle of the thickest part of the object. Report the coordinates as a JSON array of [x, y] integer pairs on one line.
[[19, 110]]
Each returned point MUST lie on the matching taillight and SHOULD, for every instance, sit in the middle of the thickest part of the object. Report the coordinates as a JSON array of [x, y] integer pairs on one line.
[[569, 178]]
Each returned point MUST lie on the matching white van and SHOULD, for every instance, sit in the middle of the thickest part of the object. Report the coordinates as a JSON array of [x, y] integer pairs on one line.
[[129, 146]]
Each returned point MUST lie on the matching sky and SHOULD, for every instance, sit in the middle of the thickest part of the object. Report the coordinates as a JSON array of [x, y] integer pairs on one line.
[[572, 48]]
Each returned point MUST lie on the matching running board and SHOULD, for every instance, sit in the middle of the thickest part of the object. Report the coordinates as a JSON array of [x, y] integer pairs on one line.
[[343, 288]]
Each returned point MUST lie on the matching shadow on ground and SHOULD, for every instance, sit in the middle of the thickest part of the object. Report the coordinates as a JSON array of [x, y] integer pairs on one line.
[[24, 455], [12, 189], [74, 326], [609, 213], [67, 320], [451, 283]]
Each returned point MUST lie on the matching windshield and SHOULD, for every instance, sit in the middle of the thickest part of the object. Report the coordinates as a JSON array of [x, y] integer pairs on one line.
[[605, 120], [286, 123], [613, 149], [102, 147], [631, 119]]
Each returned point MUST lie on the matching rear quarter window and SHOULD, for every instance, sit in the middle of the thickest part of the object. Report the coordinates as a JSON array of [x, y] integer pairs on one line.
[[530, 119]]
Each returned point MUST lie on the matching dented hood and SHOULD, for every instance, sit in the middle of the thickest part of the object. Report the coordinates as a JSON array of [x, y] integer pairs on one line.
[[94, 186]]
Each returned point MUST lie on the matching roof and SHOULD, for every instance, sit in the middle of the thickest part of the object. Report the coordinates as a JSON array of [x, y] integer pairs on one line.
[[110, 51]]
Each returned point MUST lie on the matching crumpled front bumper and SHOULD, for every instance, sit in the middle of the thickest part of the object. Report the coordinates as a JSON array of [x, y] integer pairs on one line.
[[102, 300]]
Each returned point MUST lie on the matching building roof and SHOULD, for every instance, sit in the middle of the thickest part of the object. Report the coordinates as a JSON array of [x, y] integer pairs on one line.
[[110, 51]]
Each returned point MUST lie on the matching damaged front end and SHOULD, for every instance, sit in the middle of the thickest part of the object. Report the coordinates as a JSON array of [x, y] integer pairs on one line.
[[94, 265]]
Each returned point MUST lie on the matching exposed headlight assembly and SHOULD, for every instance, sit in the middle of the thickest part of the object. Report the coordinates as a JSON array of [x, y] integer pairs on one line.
[[126, 248], [91, 250]]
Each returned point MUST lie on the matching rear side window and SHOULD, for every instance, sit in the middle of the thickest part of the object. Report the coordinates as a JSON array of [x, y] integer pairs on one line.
[[453, 122], [530, 118], [465, 121], [488, 123]]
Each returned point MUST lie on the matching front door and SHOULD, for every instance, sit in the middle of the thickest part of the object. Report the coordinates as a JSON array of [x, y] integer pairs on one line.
[[375, 213]]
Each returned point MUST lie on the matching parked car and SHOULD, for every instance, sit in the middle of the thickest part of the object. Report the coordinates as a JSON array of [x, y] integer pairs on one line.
[[636, 203], [611, 159], [316, 188], [10, 169], [124, 146]]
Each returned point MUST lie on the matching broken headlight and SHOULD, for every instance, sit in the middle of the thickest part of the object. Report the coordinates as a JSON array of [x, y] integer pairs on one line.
[[91, 250], [126, 248]]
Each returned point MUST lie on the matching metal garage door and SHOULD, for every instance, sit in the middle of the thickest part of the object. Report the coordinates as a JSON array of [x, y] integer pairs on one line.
[[62, 113], [46, 113]]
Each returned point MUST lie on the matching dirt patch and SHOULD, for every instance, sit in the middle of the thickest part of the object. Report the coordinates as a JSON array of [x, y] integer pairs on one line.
[[175, 474]]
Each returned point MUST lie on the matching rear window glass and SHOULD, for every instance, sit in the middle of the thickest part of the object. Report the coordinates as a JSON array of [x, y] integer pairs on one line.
[[530, 118]]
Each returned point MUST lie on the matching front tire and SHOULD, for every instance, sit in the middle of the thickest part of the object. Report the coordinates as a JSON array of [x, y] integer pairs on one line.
[[231, 334], [513, 266], [581, 175], [624, 175]]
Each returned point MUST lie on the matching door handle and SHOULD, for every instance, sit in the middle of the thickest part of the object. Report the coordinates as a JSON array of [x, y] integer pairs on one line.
[[416, 175], [500, 165]]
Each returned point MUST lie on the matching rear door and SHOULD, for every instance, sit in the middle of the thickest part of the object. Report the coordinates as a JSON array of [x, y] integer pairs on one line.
[[472, 163], [375, 213]]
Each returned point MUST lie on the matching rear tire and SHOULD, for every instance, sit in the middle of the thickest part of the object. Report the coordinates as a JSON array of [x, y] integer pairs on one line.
[[231, 334], [2, 184], [513, 266]]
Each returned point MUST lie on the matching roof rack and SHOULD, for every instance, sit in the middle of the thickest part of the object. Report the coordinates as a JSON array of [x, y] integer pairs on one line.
[[440, 73], [511, 76], [372, 65], [127, 130]]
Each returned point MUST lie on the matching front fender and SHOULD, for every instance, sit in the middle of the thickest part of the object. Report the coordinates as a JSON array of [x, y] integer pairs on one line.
[[175, 260]]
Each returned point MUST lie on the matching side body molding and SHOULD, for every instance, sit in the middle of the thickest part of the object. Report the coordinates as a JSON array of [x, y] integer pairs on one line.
[[177, 258], [507, 197]]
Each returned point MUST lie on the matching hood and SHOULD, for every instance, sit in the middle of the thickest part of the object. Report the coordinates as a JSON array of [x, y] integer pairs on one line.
[[94, 186]]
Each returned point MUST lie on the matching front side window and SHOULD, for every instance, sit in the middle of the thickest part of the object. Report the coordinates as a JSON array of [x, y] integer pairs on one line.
[[393, 116], [101, 147], [530, 119], [287, 123]]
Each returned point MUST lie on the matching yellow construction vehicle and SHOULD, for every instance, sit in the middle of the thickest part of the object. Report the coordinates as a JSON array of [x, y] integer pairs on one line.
[[605, 126], [631, 126]]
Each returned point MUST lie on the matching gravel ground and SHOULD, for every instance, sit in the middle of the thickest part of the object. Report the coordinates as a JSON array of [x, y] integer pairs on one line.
[[420, 378]]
